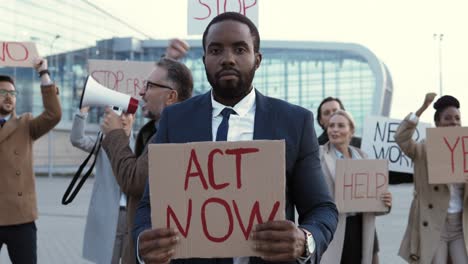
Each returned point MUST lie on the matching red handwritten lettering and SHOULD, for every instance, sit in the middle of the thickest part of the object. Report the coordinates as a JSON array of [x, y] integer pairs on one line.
[[211, 177], [198, 173], [229, 215], [238, 153], [361, 186], [254, 213], [209, 11], [356, 185], [170, 213], [346, 186], [14, 51], [465, 154], [451, 151], [247, 7], [109, 79]]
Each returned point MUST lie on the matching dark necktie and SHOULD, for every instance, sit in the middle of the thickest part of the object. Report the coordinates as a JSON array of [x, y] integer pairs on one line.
[[2, 122], [221, 134]]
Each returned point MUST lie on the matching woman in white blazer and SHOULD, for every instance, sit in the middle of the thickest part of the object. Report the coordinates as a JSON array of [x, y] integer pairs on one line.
[[353, 241]]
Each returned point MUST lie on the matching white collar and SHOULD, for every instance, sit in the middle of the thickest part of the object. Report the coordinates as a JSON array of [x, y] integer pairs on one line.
[[241, 108]]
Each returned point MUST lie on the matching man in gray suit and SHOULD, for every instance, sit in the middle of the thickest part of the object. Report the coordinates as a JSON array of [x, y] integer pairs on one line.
[[169, 82]]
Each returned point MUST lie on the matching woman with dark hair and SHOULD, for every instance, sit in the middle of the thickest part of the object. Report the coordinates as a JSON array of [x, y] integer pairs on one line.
[[436, 226], [325, 109]]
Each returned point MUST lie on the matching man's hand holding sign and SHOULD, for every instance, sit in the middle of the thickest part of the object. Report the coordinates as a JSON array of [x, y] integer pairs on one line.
[[212, 198]]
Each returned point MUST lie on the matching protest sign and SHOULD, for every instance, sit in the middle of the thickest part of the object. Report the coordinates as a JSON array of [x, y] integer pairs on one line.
[[201, 12], [447, 154], [359, 184], [17, 54], [123, 76], [378, 142], [214, 193]]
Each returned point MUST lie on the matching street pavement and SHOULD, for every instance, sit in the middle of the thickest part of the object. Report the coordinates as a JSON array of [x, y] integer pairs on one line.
[[60, 228]]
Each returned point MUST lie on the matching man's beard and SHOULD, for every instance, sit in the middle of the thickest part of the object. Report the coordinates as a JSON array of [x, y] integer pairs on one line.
[[5, 112], [231, 89]]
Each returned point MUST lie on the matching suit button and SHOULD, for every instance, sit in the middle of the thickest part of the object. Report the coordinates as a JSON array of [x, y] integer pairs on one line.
[[425, 223], [414, 257], [430, 206], [16, 152], [20, 193], [18, 173], [436, 188]]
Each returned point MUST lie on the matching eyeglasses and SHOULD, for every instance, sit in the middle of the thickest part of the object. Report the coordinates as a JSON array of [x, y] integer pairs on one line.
[[11, 93], [148, 84]]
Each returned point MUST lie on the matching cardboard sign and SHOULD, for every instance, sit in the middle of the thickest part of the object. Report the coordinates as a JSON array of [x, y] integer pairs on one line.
[[201, 12], [447, 154], [214, 193], [359, 184], [379, 143], [123, 76], [17, 54]]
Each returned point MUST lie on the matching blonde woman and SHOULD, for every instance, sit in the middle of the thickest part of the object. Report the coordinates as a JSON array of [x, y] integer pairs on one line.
[[436, 231], [354, 238]]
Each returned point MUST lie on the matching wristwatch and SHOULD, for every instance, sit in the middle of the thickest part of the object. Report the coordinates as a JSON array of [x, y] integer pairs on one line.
[[309, 246]]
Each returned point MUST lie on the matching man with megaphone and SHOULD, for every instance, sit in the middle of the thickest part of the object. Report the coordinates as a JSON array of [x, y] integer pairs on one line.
[[169, 82]]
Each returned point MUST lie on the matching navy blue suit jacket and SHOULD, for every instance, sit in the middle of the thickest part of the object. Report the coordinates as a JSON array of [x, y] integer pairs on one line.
[[191, 121]]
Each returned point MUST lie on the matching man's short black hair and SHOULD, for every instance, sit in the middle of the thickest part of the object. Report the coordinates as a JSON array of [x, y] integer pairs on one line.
[[179, 74], [6, 78], [326, 100], [239, 18]]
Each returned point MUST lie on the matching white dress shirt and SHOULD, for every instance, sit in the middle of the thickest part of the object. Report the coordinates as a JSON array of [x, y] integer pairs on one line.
[[241, 127]]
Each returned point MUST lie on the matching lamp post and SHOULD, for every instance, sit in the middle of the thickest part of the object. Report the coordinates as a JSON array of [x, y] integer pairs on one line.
[[439, 37], [50, 135]]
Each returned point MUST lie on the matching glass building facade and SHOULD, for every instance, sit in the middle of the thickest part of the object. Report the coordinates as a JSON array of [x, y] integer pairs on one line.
[[301, 73]]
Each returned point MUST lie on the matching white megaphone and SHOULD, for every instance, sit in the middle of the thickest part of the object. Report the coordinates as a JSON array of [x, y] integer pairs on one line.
[[95, 94]]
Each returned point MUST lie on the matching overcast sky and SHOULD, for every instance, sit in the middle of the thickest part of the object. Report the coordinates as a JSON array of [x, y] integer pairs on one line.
[[399, 32]]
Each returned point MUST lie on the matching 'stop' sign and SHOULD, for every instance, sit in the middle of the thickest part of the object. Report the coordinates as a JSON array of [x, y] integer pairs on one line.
[[201, 12]]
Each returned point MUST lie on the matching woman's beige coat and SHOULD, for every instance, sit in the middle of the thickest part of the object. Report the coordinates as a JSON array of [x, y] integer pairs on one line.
[[429, 206], [333, 254]]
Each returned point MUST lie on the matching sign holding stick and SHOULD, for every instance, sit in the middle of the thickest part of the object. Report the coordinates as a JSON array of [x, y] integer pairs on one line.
[[123, 76], [214, 193], [359, 184], [447, 154], [17, 54]]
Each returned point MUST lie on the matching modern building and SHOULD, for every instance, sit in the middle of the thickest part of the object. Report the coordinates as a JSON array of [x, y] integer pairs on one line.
[[302, 73]]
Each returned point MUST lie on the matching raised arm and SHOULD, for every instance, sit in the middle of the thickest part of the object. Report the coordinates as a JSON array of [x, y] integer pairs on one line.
[[52, 113], [77, 134], [404, 133]]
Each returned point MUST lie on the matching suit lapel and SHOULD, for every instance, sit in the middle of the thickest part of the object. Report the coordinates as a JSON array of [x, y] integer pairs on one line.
[[264, 118], [203, 125]]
